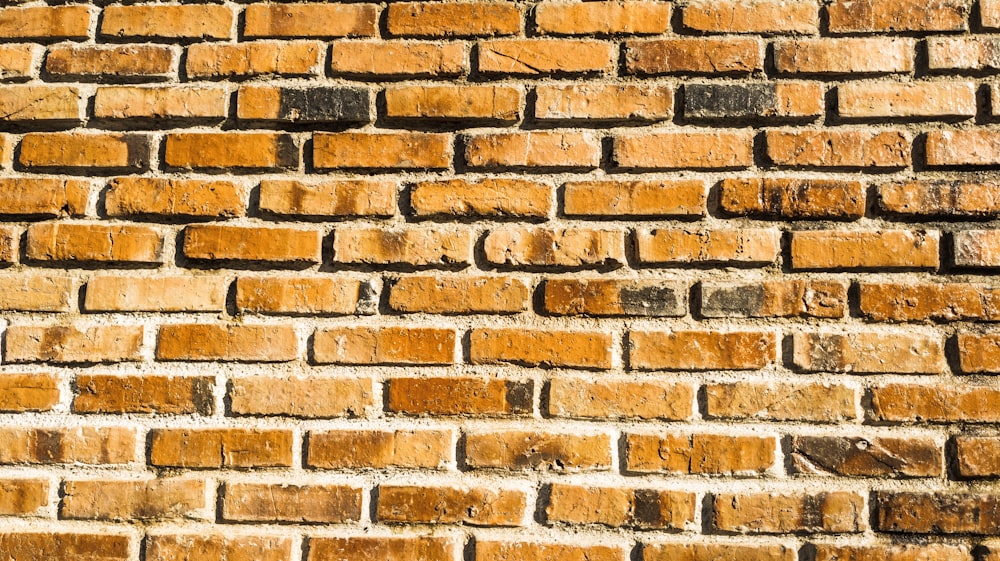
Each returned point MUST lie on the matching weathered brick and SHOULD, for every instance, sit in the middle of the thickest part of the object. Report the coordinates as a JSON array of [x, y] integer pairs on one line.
[[102, 61], [257, 58], [43, 196], [785, 298], [730, 16], [939, 302], [675, 246], [579, 349], [23, 497], [604, 18], [156, 499], [9, 242], [774, 100], [155, 294], [45, 23], [534, 149], [603, 103], [17, 62], [937, 513], [459, 19], [219, 342], [693, 56], [310, 504], [63, 546], [40, 103], [978, 353], [963, 148], [545, 451], [620, 399], [616, 507], [161, 103], [845, 56], [87, 151], [241, 150], [36, 293], [963, 53], [682, 150], [153, 196], [76, 445], [474, 506], [193, 21], [977, 248], [220, 448], [866, 457], [541, 57], [527, 551], [935, 551], [957, 198], [610, 297], [28, 392], [308, 105], [217, 547], [94, 242], [554, 247], [500, 104], [989, 14], [761, 513], [249, 243], [839, 149], [338, 197], [310, 20], [874, 16], [861, 249], [497, 197], [680, 197], [301, 295], [308, 397], [717, 552], [379, 449], [412, 246], [935, 404], [389, 59], [459, 295], [486, 397], [394, 548], [701, 350], [382, 150], [384, 345], [977, 456], [868, 352], [699, 454], [793, 199], [825, 403], [70, 344], [165, 395], [926, 100]]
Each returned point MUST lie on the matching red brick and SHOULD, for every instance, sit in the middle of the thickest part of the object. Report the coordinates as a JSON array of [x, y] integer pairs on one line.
[[610, 297], [978, 354], [701, 350], [935, 551], [767, 299], [459, 295], [604, 18], [554, 247], [46, 23], [543, 451], [937, 513], [211, 342], [496, 197], [644, 509], [343, 197], [165, 395], [23, 497], [204, 21], [977, 456], [249, 243], [866, 457], [760, 513], [257, 58], [492, 397], [845, 55], [963, 148], [839, 149], [534, 149], [793, 199], [474, 506], [873, 16], [977, 248], [375, 59], [728, 16], [860, 249], [93, 61], [310, 20], [940, 198], [86, 151], [529, 551], [220, 448], [390, 548], [670, 246], [217, 547], [379, 449], [684, 197], [77, 445], [939, 302], [824, 403], [413, 246], [156, 499], [935, 404], [681, 150], [384, 345], [63, 546], [603, 102], [699, 454], [28, 392], [155, 294], [532, 57], [582, 398], [67, 344], [453, 19], [693, 56], [310, 504], [38, 103], [579, 349], [307, 397], [718, 552], [382, 150], [868, 352], [927, 100]]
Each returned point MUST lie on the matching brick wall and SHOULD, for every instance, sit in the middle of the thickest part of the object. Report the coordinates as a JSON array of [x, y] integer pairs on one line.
[[500, 281]]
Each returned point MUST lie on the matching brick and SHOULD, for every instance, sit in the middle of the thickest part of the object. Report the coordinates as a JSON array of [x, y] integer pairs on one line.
[[527, 551], [36, 293], [762, 513], [9, 242], [459, 295], [895, 403], [98, 62], [217, 547], [774, 100], [604, 18], [944, 199], [874, 16], [935, 551], [23, 497], [384, 345], [195, 21], [977, 456], [768, 299], [497, 197], [85, 151], [582, 398], [153, 196], [554, 247], [500, 104], [339, 197], [379, 449], [458, 19], [977, 248], [302, 295], [745, 246], [211, 342], [963, 53], [66, 344], [473, 506], [860, 249], [571, 349], [541, 57], [523, 450], [63, 546], [393, 548], [306, 105], [249, 243], [839, 149], [76, 445], [389, 59], [938, 302], [642, 198], [937, 513], [963, 148], [40, 103], [412, 246], [94, 242], [161, 103], [760, 17], [18, 61], [43, 196], [870, 100], [717, 552], [693, 56], [978, 354], [645, 509], [300, 396], [681, 150], [610, 297], [989, 14], [483, 397], [45, 23], [867, 55], [868, 353], [241, 150], [866, 457], [309, 504], [699, 454], [155, 294], [310, 20], [28, 392], [823, 403], [220, 448], [793, 199], [609, 103], [382, 151], [735, 350], [164, 395], [534, 149], [257, 58], [157, 499]]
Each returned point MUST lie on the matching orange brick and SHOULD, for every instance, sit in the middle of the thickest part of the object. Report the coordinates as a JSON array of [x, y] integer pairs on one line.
[[257, 58], [249, 243], [155, 294], [384, 345], [718, 552], [519, 450], [36, 293], [161, 102], [839, 149], [28, 392], [582, 398], [989, 14], [27, 103], [413, 246], [896, 403], [157, 499], [454, 103], [23, 497], [165, 395], [343, 197], [679, 150], [526, 551], [475, 506], [302, 295], [85, 62], [77, 445], [244, 150], [787, 298], [747, 246], [62, 546], [534, 149], [391, 548], [756, 101], [9, 241], [220, 448], [195, 21], [528, 57], [602, 102], [735, 350], [554, 247], [70, 344], [977, 248], [963, 148], [699, 454], [605, 18], [940, 302], [979, 354], [18, 61], [868, 353], [683, 197], [453, 19], [146, 196], [484, 397], [873, 100], [259, 502], [611, 297], [45, 22], [309, 397], [323, 104], [761, 513], [939, 198], [375, 59], [868, 16], [825, 403], [936, 513], [459, 295], [311, 20], [382, 151], [936, 551], [729, 16], [977, 456], [499, 197], [845, 55], [645, 509], [98, 151], [216, 547], [375, 449], [693, 56], [250, 343], [866, 457], [579, 349], [42, 196], [895, 249], [793, 199]]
